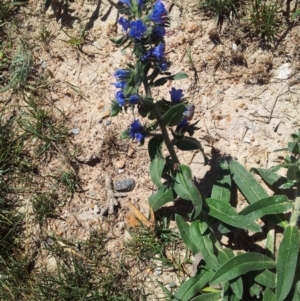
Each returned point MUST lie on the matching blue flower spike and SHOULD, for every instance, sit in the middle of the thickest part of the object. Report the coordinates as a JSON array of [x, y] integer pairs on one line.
[[159, 13], [176, 95], [134, 99], [137, 29], [137, 131], [120, 85], [158, 31]]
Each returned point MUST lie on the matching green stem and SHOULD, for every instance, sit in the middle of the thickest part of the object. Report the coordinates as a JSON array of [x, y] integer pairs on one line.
[[166, 137], [147, 88], [296, 211]]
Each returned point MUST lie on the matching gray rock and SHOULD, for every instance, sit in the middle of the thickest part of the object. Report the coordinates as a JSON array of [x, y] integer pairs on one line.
[[124, 185]]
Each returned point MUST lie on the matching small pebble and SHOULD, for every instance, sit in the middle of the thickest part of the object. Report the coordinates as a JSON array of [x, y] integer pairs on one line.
[[108, 122], [124, 185], [120, 164], [75, 131], [158, 271], [172, 285]]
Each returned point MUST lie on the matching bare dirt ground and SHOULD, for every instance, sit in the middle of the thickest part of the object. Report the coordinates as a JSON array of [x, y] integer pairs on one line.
[[246, 98]]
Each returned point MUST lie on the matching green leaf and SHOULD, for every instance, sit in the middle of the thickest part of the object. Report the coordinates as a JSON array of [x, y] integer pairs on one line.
[[241, 264], [155, 147], [270, 243], [156, 169], [190, 143], [293, 173], [186, 189], [227, 214], [224, 255], [274, 179], [270, 205], [222, 187], [245, 181], [193, 286], [161, 197], [145, 106], [296, 292], [184, 229], [295, 14], [203, 241], [161, 81], [265, 278], [287, 261], [209, 297], [174, 115], [268, 295]]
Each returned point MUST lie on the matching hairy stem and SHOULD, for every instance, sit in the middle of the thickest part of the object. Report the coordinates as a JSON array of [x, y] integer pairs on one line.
[[166, 137]]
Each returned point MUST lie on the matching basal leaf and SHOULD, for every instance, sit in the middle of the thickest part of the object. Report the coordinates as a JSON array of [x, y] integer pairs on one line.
[[227, 214], [270, 205], [156, 169], [186, 189], [184, 229], [293, 173], [242, 264], [274, 179], [161, 197], [209, 297], [246, 182], [268, 295], [265, 278], [203, 242], [193, 286], [222, 187], [287, 261]]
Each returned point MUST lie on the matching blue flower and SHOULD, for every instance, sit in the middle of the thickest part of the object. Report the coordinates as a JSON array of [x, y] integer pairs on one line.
[[134, 99], [158, 51], [176, 95], [140, 3], [120, 98], [158, 31], [182, 125], [137, 131], [127, 2], [159, 13], [119, 85], [137, 29], [121, 74], [124, 23]]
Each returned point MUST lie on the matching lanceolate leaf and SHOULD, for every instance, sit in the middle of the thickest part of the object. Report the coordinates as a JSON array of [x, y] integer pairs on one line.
[[268, 295], [222, 187], [156, 169], [161, 197], [245, 181], [174, 115], [209, 297], [186, 189], [193, 286], [204, 244], [155, 146], [274, 179], [287, 261], [184, 229], [266, 278], [271, 205], [225, 213], [241, 264], [161, 81]]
